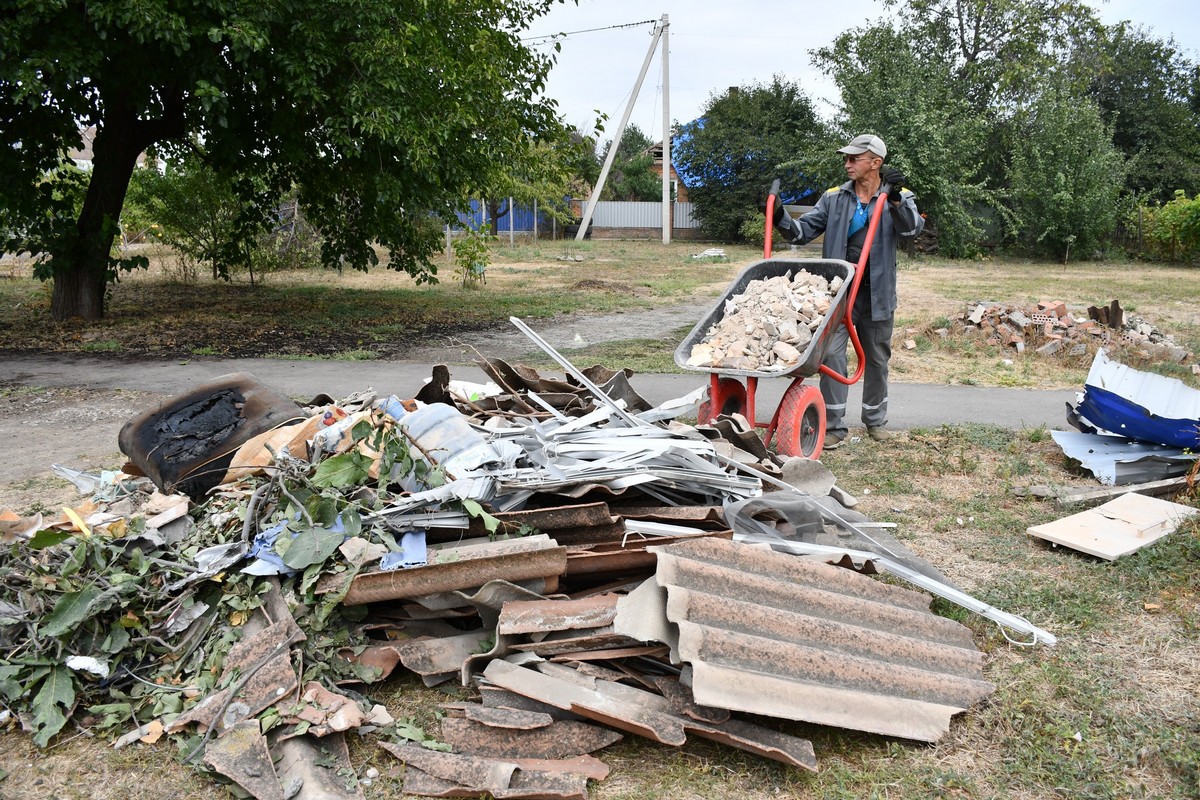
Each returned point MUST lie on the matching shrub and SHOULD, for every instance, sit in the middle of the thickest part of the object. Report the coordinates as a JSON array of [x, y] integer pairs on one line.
[[471, 256], [1172, 232]]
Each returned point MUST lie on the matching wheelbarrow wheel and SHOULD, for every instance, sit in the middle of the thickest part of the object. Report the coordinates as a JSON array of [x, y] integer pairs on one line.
[[801, 429], [730, 399]]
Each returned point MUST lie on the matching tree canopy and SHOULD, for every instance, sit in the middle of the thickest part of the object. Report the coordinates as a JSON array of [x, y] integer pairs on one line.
[[1020, 121], [379, 113], [632, 176], [743, 141], [1147, 92], [894, 86]]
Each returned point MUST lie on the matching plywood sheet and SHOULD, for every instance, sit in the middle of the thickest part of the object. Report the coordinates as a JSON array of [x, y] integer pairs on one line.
[[1117, 528]]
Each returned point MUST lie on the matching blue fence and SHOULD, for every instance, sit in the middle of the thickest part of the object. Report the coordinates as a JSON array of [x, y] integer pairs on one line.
[[520, 218]]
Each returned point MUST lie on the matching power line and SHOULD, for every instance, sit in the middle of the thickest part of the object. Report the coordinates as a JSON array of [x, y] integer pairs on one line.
[[563, 35]]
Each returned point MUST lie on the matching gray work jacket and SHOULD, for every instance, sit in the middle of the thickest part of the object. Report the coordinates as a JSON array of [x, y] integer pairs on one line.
[[832, 216]]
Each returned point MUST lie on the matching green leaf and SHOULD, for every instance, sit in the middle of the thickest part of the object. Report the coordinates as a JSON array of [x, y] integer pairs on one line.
[[351, 522], [51, 704], [70, 610], [340, 471], [116, 641], [111, 713], [361, 430], [10, 683], [312, 546], [475, 510], [48, 538]]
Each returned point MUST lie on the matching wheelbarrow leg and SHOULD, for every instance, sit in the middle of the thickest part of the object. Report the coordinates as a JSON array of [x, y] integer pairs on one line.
[[799, 422], [725, 396]]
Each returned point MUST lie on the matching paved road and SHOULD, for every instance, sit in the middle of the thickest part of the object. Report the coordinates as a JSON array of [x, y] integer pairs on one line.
[[912, 405]]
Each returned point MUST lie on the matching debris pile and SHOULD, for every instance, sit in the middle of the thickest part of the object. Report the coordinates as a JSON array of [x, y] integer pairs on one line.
[[568, 553], [1049, 328], [768, 326]]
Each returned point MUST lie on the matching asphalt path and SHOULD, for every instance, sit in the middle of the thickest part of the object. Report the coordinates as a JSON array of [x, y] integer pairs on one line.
[[912, 405]]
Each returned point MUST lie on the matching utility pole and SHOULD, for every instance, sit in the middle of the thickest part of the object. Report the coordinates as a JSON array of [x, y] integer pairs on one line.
[[612, 150], [667, 208]]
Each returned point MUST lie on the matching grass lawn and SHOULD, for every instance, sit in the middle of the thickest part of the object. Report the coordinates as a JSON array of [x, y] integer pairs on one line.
[[382, 314], [1111, 712]]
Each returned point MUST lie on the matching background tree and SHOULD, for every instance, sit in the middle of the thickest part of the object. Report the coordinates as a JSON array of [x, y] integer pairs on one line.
[[895, 84], [745, 139], [197, 212], [632, 176], [999, 50], [546, 181], [1066, 175], [1146, 93], [338, 99]]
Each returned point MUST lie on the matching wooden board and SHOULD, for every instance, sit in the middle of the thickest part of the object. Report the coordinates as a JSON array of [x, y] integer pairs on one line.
[[1117, 528]]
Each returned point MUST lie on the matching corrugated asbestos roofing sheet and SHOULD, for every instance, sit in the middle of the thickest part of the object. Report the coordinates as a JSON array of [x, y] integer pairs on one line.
[[771, 634]]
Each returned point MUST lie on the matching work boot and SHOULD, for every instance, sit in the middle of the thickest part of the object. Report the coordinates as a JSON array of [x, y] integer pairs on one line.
[[832, 440], [880, 434]]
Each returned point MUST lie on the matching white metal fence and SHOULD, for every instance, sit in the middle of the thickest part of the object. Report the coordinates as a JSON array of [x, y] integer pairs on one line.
[[621, 214]]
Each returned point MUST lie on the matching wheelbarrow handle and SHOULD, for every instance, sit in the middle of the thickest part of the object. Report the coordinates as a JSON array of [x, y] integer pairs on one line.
[[772, 199], [852, 295]]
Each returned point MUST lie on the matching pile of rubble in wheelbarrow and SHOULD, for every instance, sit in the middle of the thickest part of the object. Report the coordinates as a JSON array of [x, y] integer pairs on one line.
[[584, 566]]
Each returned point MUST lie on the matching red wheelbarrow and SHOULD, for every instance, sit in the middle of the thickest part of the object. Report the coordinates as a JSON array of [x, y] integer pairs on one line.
[[798, 424]]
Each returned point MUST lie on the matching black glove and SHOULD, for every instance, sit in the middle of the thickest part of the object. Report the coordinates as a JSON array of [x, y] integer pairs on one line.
[[777, 211], [895, 179]]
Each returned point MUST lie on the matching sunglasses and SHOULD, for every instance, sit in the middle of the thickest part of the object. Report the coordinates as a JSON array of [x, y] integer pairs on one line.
[[847, 159]]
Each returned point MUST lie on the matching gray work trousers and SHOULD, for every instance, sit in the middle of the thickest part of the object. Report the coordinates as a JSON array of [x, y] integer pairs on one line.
[[876, 339]]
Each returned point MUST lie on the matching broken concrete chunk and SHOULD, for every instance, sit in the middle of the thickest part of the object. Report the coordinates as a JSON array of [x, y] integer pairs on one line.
[[767, 324]]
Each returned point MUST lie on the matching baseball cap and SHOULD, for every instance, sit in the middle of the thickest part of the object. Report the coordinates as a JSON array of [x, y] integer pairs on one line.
[[861, 144]]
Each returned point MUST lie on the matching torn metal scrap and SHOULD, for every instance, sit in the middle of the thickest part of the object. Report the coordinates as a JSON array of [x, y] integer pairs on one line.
[[242, 756], [467, 566], [559, 739], [320, 768], [258, 674], [885, 554], [641, 712], [1121, 400], [1118, 460]]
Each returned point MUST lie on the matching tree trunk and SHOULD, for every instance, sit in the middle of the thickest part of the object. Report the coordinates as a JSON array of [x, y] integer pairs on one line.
[[81, 265], [496, 212]]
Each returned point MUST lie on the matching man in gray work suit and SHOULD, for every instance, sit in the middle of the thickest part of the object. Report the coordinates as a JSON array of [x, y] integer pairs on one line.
[[842, 215]]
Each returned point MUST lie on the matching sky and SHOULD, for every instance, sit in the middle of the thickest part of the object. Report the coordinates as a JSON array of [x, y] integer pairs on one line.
[[716, 44]]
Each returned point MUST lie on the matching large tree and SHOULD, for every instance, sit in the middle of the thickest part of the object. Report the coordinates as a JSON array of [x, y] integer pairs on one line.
[[378, 111], [745, 139], [1065, 176], [632, 176], [894, 85], [1147, 93], [1000, 49]]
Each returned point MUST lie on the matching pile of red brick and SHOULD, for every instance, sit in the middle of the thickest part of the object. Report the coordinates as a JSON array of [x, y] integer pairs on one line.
[[1051, 328]]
